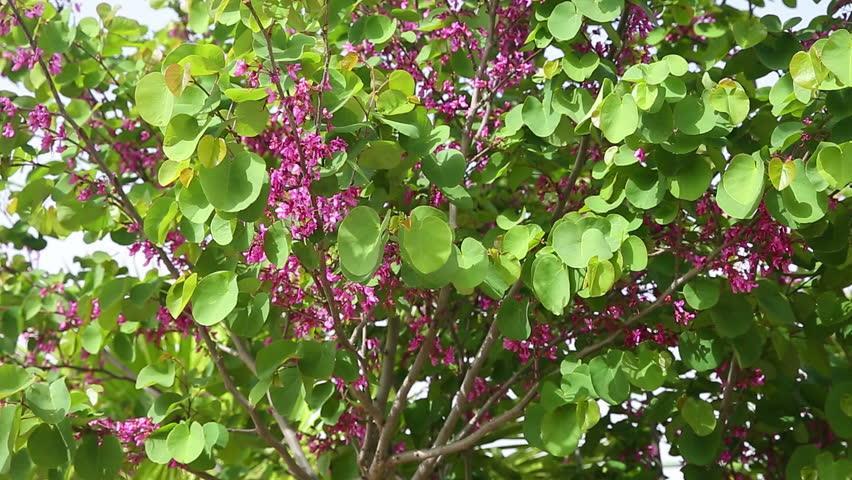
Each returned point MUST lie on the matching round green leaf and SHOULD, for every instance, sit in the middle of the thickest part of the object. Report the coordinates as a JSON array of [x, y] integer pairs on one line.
[[13, 379], [837, 55], [186, 442], [560, 431], [374, 28], [619, 117], [276, 244], [154, 101], [381, 155], [359, 241], [564, 21], [691, 180], [699, 415], [702, 293], [644, 189], [611, 382], [46, 447], [214, 298], [579, 68], [838, 409], [98, 459], [446, 168], [251, 118], [635, 253], [427, 243], [699, 450], [473, 265], [601, 11], [732, 316], [834, 163], [700, 350], [551, 283], [235, 183], [51, 402], [193, 203], [513, 319]]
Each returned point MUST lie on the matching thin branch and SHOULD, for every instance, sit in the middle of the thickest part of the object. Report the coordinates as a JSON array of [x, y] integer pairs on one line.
[[259, 423]]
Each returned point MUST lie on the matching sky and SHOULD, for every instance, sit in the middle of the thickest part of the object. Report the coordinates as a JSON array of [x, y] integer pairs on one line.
[[60, 253]]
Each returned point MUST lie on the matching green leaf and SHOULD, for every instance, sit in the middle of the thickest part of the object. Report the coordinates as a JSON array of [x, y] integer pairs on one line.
[[635, 253], [159, 218], [186, 442], [579, 68], [203, 59], [291, 397], [180, 293], [472, 261], [235, 183], [748, 31], [800, 202], [700, 350], [601, 11], [98, 458], [729, 97], [211, 150], [276, 244], [51, 402], [644, 188], [9, 423], [541, 120], [741, 188], [193, 203], [619, 117], [834, 163], [13, 379], [564, 21], [222, 229], [251, 118], [317, 359], [182, 136], [214, 298], [273, 356], [446, 168], [91, 338], [611, 382], [560, 431], [401, 81], [381, 155], [837, 409], [774, 305], [805, 71], [360, 242], [702, 293], [732, 316], [160, 373], [376, 29], [781, 173], [154, 101], [645, 370], [837, 55], [513, 319], [692, 116], [699, 415], [169, 171], [46, 447], [427, 243], [551, 283], [699, 450]]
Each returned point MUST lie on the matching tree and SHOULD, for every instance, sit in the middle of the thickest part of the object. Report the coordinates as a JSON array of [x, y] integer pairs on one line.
[[463, 239]]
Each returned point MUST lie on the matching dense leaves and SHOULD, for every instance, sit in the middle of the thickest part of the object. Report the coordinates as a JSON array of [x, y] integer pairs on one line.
[[468, 239]]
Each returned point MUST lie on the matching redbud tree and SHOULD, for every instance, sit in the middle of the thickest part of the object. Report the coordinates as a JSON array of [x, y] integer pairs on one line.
[[425, 239]]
